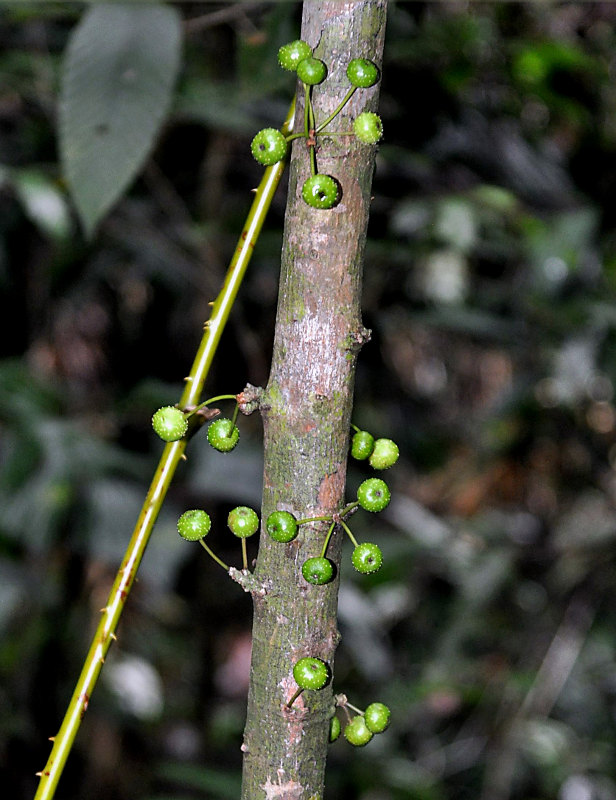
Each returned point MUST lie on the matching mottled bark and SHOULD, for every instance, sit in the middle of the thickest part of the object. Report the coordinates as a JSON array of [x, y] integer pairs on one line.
[[306, 409]]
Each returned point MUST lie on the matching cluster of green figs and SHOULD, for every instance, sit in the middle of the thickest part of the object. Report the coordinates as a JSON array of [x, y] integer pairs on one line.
[[270, 145], [373, 495], [314, 673]]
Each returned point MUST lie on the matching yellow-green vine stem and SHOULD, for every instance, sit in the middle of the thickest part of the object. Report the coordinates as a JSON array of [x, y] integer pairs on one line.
[[171, 456]]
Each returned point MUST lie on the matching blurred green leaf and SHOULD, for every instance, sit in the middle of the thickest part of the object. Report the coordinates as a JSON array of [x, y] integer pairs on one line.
[[45, 459], [456, 224], [219, 105], [43, 203], [117, 77], [534, 62], [111, 512]]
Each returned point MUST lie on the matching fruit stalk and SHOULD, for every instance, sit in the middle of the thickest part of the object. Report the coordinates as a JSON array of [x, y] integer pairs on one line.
[[170, 458]]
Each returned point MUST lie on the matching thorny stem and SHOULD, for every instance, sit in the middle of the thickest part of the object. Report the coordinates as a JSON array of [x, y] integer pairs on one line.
[[171, 456]]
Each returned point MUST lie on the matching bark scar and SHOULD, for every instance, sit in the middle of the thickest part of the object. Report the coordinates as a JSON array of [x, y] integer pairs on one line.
[[289, 790], [357, 339], [249, 583], [331, 489]]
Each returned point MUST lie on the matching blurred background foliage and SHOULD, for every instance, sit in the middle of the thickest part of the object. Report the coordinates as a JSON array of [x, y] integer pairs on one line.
[[489, 287]]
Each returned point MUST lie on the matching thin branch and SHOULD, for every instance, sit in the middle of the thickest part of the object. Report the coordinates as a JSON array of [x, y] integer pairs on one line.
[[551, 677], [171, 457], [220, 17]]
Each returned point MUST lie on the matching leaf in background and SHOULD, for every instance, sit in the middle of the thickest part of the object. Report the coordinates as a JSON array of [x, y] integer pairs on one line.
[[117, 77], [43, 202], [215, 783]]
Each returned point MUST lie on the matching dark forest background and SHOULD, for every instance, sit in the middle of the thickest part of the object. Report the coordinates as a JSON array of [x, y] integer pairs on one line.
[[489, 287]]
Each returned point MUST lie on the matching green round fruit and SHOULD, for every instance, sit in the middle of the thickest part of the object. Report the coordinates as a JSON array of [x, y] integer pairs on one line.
[[362, 73], [362, 445], [385, 454], [281, 526], [311, 673], [334, 728], [318, 570], [373, 494], [357, 732], [169, 423], [368, 127], [269, 146], [194, 525], [290, 55], [243, 522], [367, 558], [321, 191], [377, 717], [311, 71], [223, 435]]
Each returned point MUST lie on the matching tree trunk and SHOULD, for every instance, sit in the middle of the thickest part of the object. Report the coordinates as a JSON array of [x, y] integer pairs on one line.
[[306, 410]]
